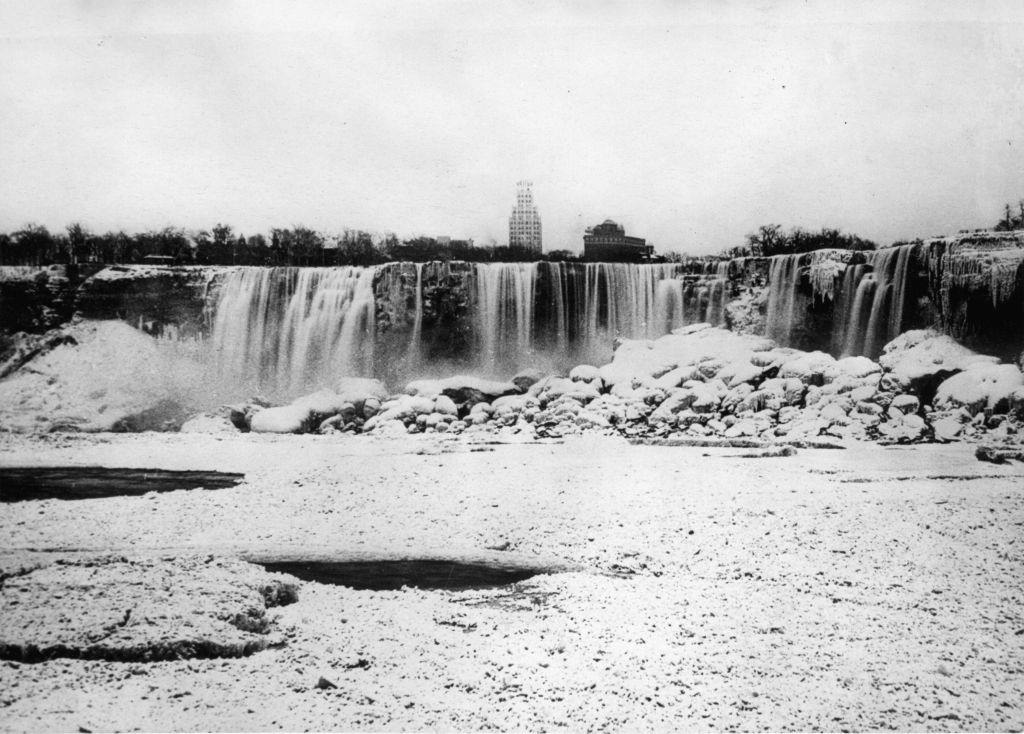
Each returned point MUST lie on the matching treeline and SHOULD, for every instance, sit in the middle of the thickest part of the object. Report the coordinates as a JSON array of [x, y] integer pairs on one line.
[[771, 239], [221, 245], [1011, 220]]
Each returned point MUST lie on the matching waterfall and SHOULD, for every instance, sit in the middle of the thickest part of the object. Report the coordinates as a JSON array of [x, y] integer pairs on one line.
[[504, 294], [869, 298], [414, 354], [875, 313], [843, 320], [285, 330], [783, 282], [859, 314], [718, 295], [670, 304]]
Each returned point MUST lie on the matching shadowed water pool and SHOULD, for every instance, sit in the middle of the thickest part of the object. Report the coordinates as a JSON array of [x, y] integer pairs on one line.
[[18, 484], [389, 575]]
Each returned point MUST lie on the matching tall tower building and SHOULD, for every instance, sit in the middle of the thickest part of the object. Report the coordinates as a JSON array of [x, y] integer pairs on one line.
[[524, 224]]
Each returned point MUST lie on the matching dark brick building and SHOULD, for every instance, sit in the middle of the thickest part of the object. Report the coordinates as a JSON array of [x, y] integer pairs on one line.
[[608, 242]]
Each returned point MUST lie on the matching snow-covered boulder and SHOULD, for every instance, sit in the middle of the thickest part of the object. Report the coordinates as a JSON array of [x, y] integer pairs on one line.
[[857, 368], [687, 346], [462, 388], [981, 386], [282, 419], [808, 367], [584, 373], [525, 378], [359, 390], [917, 361]]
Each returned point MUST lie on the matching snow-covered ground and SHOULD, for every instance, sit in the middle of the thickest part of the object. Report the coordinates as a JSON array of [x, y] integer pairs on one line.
[[867, 588]]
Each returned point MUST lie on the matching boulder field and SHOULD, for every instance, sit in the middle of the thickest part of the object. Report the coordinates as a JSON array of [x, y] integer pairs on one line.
[[698, 383], [701, 382]]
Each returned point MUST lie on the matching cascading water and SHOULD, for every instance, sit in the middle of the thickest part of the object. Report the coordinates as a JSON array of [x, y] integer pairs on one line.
[[504, 293], [783, 296], [869, 298], [414, 355], [718, 294], [285, 330], [875, 314], [859, 316]]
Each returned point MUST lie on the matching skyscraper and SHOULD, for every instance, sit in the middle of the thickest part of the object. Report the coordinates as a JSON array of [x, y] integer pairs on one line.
[[524, 224]]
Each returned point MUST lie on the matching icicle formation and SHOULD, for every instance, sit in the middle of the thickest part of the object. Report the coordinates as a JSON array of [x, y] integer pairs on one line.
[[989, 263], [826, 267], [285, 330]]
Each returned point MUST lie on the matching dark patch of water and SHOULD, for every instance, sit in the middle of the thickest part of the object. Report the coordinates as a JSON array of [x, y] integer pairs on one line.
[[18, 484], [389, 575]]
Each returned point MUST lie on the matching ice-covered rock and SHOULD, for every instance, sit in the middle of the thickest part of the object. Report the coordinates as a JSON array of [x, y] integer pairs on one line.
[[445, 405], [741, 372], [917, 361], [808, 367], [947, 428], [525, 378], [851, 367], [905, 403], [687, 346], [903, 428], [282, 419], [584, 373], [979, 387], [210, 423], [553, 388], [462, 388], [105, 373], [359, 390]]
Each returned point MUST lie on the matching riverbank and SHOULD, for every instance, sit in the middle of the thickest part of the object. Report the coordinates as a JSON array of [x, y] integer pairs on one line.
[[866, 588]]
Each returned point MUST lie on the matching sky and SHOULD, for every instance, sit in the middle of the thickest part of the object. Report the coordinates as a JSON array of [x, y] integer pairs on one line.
[[689, 122]]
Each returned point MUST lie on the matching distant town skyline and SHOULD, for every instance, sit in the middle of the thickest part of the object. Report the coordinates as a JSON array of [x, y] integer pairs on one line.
[[689, 123]]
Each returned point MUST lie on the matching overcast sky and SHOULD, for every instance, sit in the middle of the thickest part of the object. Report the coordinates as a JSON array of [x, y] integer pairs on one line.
[[691, 123]]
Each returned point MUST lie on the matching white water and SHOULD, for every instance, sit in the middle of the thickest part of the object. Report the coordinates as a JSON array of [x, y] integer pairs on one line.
[[504, 330], [783, 296], [286, 330], [869, 304]]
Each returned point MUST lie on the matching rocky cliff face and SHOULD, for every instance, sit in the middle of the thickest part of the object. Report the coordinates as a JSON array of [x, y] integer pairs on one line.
[[424, 313], [155, 299], [975, 287], [36, 299]]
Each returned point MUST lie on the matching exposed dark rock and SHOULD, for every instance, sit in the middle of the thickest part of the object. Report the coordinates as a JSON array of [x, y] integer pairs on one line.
[[166, 415], [153, 298]]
